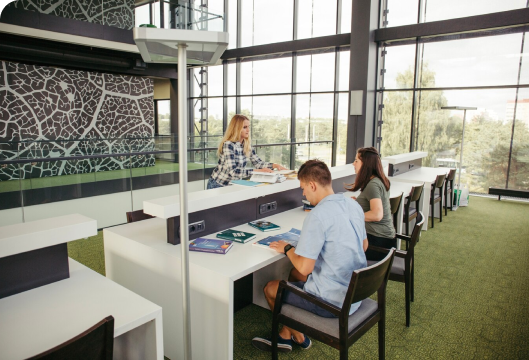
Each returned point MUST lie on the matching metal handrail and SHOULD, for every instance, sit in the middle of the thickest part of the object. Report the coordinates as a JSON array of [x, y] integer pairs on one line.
[[99, 156]]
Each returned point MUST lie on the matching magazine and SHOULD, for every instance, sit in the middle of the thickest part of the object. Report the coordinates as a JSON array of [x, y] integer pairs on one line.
[[291, 237]]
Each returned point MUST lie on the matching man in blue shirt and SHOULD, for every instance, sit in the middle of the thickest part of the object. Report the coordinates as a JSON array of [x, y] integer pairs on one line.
[[332, 245]]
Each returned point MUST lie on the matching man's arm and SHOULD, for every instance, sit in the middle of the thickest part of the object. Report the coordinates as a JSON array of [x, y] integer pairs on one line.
[[365, 244], [302, 264]]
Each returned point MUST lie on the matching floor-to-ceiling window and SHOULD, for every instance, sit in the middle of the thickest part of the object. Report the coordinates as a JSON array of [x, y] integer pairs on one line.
[[297, 101], [486, 69]]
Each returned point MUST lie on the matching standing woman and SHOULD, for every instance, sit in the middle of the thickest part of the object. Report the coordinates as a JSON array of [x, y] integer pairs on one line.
[[374, 200], [234, 151]]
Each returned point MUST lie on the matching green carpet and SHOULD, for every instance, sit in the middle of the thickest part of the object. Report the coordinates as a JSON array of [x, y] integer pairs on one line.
[[471, 293]]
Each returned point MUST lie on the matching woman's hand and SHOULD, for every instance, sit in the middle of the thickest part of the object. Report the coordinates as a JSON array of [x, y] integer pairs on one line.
[[265, 170], [279, 167]]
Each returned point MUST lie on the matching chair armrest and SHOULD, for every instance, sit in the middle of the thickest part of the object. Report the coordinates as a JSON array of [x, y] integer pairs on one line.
[[403, 237], [284, 285], [378, 249], [401, 254]]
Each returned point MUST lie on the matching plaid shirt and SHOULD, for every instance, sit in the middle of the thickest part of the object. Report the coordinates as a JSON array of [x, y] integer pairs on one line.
[[232, 163]]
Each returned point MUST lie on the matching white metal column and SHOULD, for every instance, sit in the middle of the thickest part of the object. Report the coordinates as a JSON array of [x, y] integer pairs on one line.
[[182, 175]]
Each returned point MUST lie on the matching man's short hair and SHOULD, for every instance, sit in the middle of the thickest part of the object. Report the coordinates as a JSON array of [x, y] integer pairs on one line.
[[315, 171]]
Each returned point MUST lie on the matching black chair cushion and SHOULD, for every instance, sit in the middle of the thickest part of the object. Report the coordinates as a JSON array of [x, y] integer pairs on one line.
[[330, 326], [397, 268]]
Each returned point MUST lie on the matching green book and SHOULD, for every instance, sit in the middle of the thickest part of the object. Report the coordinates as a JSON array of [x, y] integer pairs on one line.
[[236, 235], [264, 225]]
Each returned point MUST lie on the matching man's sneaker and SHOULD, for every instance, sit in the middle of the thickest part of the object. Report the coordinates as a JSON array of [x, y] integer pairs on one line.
[[305, 345], [265, 344]]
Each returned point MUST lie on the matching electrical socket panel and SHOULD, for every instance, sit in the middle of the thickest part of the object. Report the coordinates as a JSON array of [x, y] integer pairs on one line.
[[267, 207], [197, 227]]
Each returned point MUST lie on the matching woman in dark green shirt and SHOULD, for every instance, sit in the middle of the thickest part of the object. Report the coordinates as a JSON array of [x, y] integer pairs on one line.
[[374, 200]]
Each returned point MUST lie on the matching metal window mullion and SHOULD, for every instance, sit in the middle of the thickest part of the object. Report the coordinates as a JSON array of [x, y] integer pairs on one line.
[[514, 114], [293, 111], [334, 147], [380, 104], [162, 25], [224, 95], [338, 17], [415, 86], [239, 20], [238, 86]]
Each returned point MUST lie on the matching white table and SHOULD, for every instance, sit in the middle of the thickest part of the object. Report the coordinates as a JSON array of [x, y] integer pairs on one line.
[[427, 175], [138, 257], [42, 318]]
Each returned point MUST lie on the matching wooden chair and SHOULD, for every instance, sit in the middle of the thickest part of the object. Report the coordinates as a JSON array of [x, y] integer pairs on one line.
[[395, 204], [96, 343], [137, 215], [410, 212], [403, 268], [449, 186], [437, 197], [343, 331]]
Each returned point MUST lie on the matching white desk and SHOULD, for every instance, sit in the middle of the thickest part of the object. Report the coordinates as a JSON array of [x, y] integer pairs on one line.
[[426, 175], [39, 319], [138, 257], [402, 158]]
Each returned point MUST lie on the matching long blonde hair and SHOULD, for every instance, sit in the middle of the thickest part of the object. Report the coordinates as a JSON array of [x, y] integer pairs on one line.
[[233, 133]]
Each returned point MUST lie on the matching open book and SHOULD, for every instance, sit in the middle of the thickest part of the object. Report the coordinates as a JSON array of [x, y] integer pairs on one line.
[[291, 237]]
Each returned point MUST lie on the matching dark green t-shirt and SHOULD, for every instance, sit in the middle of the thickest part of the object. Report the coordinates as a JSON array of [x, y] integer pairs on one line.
[[375, 189]]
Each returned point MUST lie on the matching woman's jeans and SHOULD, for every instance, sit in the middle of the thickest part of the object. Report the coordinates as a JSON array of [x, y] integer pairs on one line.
[[212, 184]]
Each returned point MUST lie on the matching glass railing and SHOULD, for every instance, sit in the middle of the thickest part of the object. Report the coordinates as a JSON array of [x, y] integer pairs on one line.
[[104, 178], [175, 14]]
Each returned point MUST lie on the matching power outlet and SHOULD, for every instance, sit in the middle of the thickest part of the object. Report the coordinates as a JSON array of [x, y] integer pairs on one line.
[[197, 227], [267, 207]]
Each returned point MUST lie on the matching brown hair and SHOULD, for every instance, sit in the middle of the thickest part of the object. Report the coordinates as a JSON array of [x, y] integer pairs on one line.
[[315, 170], [371, 166]]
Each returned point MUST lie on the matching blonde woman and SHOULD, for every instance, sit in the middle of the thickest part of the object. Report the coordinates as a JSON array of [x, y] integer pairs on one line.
[[234, 151]]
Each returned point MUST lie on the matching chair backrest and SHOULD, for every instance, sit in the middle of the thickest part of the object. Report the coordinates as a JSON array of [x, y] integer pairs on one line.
[[137, 215], [439, 181], [451, 175], [416, 233], [395, 204], [95, 343], [365, 282], [415, 193]]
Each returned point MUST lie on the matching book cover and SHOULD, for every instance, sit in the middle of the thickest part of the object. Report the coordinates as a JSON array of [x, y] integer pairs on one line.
[[236, 235], [245, 183], [210, 245], [291, 237], [264, 225], [306, 205], [286, 172]]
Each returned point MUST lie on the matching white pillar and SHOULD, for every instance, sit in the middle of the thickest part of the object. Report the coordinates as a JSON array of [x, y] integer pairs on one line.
[[182, 175]]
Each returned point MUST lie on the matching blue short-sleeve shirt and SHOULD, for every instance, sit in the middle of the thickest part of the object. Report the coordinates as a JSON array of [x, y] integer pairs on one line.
[[333, 234]]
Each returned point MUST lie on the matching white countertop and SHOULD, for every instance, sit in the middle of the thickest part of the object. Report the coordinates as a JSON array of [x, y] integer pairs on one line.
[[169, 206], [36, 320], [19, 238], [241, 260], [402, 158], [425, 174]]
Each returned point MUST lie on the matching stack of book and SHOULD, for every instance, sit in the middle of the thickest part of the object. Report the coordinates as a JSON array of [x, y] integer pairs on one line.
[[264, 225], [306, 205]]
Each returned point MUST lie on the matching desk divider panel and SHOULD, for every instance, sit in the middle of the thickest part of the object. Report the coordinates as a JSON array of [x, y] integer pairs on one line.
[[31, 269], [226, 216], [397, 169]]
